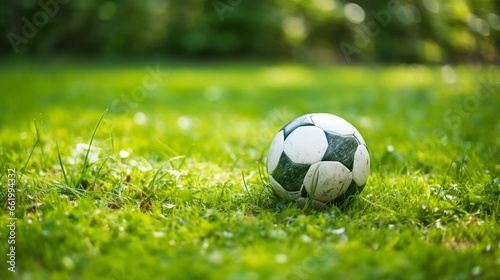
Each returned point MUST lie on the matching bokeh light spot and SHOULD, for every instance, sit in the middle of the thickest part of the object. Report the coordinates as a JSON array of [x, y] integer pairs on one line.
[[354, 13], [294, 28], [213, 93], [410, 14], [478, 25], [184, 122], [107, 10], [325, 5], [448, 74], [494, 21], [431, 5], [140, 118]]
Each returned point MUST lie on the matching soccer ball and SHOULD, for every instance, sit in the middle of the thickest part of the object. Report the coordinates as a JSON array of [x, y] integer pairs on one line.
[[318, 156]]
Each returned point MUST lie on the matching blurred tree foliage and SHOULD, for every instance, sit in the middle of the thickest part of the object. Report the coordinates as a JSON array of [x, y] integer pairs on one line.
[[308, 30]]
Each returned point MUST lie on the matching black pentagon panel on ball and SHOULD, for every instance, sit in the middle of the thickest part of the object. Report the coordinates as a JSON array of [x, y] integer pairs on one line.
[[341, 148], [289, 174], [304, 193], [304, 120]]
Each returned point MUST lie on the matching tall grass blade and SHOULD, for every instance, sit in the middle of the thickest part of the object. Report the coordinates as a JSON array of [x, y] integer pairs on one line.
[[61, 164], [32, 149], [84, 168]]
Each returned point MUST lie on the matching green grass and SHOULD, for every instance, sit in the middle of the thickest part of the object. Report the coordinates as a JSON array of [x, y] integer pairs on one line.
[[185, 195]]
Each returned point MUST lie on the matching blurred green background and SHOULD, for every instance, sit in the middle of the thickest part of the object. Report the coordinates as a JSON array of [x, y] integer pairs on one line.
[[327, 31]]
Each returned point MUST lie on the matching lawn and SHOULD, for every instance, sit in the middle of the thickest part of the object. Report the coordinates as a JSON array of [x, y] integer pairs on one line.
[[175, 185]]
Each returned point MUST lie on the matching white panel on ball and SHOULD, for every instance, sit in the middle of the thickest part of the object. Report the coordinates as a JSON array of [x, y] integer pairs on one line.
[[306, 145], [333, 124], [361, 166], [331, 179], [280, 191], [275, 151]]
